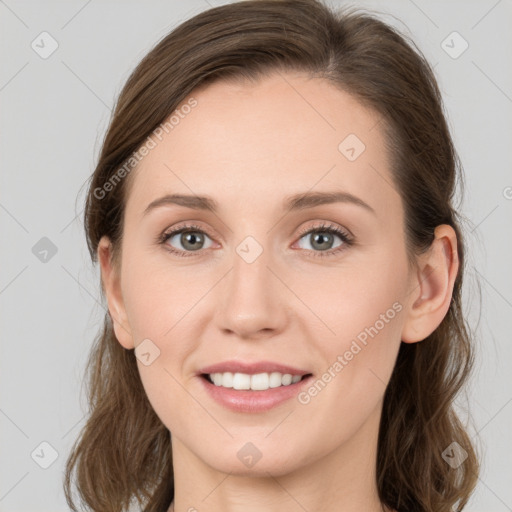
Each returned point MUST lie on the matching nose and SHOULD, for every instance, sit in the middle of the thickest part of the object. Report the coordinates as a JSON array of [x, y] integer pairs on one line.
[[252, 300]]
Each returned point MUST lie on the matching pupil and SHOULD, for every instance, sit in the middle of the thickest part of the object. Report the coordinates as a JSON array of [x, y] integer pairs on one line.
[[319, 238], [190, 240]]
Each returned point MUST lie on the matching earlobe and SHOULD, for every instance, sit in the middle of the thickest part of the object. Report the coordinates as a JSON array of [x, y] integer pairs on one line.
[[112, 288], [433, 286]]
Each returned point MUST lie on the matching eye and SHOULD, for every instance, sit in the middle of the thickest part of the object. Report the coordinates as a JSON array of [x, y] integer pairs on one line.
[[189, 239], [321, 240]]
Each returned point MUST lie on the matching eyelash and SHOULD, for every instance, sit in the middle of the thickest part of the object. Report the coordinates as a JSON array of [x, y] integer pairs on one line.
[[324, 228]]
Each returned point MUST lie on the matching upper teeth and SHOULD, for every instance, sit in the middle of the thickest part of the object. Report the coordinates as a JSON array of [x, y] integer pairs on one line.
[[257, 382]]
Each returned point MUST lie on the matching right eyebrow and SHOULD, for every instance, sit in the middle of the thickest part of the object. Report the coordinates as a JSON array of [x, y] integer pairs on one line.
[[195, 202]]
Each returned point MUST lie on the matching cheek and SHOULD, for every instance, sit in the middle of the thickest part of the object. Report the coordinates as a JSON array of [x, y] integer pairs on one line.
[[159, 305], [363, 308], [165, 304], [355, 299], [157, 296]]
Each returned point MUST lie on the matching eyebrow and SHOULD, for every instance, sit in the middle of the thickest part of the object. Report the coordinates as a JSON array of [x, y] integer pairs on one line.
[[295, 202]]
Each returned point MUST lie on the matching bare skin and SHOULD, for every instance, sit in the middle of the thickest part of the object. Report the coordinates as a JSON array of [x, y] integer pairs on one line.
[[249, 147]]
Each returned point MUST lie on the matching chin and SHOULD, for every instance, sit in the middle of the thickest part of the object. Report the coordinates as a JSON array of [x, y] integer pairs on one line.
[[251, 462]]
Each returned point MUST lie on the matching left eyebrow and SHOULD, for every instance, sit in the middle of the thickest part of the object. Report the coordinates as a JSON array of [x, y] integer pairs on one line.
[[295, 202], [312, 199]]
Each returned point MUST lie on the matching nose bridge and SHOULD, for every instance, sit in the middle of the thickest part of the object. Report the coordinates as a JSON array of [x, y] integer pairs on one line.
[[250, 266], [252, 300]]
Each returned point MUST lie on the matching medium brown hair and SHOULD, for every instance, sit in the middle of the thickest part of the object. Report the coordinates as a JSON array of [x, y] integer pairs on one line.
[[123, 454]]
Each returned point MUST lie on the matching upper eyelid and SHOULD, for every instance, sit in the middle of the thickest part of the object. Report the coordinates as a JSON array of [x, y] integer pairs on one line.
[[328, 226], [322, 225], [325, 225]]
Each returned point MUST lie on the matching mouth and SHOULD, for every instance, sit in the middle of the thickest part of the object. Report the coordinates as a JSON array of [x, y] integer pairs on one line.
[[252, 387], [253, 382]]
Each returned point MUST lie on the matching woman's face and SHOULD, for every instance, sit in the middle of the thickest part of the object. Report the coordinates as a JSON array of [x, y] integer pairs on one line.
[[263, 278]]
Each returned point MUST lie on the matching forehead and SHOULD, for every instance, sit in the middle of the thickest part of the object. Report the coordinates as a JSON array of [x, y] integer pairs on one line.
[[250, 144]]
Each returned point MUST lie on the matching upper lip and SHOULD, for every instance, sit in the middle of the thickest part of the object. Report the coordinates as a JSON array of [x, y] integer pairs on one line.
[[252, 368]]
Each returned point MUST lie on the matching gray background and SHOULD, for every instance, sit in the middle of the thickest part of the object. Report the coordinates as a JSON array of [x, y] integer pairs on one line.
[[54, 113]]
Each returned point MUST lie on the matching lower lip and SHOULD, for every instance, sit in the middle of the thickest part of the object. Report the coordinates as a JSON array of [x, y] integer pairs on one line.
[[253, 401]]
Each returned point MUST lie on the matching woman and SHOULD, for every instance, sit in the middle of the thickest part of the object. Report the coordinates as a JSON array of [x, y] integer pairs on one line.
[[269, 372]]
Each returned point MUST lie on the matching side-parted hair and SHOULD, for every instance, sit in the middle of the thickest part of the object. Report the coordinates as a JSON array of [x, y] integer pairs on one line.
[[123, 454]]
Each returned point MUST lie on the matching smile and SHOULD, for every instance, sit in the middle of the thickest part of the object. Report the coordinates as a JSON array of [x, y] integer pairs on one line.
[[255, 382]]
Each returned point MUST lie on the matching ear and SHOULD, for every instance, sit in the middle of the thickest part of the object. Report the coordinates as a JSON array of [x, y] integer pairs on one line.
[[112, 288], [432, 286]]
